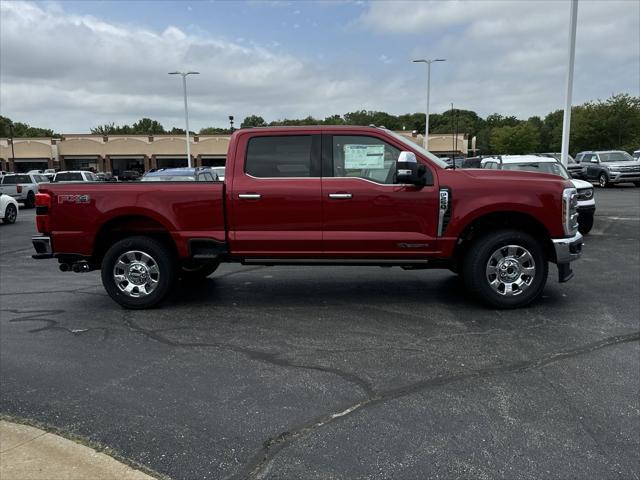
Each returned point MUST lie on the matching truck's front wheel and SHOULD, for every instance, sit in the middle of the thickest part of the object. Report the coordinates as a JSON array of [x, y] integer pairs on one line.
[[138, 272], [506, 269]]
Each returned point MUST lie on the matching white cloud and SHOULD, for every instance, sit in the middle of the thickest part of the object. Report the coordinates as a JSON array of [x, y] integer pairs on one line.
[[73, 72], [511, 56]]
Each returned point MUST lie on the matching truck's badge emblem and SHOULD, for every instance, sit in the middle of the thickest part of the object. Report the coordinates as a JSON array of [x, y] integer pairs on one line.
[[73, 199]]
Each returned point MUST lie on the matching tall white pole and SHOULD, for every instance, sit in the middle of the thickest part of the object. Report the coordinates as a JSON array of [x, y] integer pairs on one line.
[[426, 129], [186, 119], [566, 123]]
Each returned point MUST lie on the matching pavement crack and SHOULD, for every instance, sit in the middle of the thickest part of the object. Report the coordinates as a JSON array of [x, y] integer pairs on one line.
[[260, 463], [49, 323], [272, 358]]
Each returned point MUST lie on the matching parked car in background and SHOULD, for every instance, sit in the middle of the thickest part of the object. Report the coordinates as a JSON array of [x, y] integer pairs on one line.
[[472, 162], [75, 176], [219, 171], [106, 177], [574, 168], [197, 174], [610, 167], [50, 173], [458, 160], [129, 176], [636, 155], [8, 208], [22, 186], [543, 164]]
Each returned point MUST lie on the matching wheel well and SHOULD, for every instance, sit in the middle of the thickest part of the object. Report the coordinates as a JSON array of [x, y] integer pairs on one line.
[[493, 221], [126, 226]]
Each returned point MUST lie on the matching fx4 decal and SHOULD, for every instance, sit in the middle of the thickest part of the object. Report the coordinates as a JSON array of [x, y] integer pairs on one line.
[[73, 198]]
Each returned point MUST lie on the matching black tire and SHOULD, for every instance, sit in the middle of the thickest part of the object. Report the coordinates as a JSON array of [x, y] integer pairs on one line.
[[192, 272], [161, 257], [585, 223], [479, 255], [603, 180], [30, 202], [10, 214]]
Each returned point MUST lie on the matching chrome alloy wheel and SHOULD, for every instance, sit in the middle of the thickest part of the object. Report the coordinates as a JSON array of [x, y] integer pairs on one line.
[[136, 274], [602, 180], [510, 270]]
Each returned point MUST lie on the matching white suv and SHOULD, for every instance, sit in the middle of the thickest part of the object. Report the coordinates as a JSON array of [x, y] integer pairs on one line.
[[535, 163]]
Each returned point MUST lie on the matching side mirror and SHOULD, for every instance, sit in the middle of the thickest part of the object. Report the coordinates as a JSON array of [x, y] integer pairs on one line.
[[408, 170]]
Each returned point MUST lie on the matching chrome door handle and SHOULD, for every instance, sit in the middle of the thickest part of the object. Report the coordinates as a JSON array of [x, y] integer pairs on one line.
[[340, 195], [250, 196]]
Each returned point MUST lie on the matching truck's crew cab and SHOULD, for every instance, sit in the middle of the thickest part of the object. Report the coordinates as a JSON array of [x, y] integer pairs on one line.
[[317, 196]]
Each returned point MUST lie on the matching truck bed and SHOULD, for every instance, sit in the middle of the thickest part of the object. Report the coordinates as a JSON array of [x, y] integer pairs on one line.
[[183, 209]]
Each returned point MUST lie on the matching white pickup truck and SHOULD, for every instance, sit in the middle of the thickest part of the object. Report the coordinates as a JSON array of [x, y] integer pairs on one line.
[[22, 186]]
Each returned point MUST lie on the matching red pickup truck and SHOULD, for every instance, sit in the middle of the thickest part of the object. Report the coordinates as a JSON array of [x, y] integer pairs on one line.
[[317, 196]]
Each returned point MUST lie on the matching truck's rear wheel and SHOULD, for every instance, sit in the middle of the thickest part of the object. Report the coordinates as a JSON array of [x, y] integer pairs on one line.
[[138, 272], [506, 269]]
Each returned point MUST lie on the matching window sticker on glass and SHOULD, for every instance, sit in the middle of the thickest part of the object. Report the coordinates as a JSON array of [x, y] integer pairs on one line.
[[363, 156]]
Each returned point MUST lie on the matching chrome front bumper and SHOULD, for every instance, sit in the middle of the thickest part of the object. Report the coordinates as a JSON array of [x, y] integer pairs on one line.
[[568, 249], [624, 177]]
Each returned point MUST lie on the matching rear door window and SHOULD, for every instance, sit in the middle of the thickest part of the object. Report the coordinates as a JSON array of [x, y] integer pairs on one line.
[[279, 157]]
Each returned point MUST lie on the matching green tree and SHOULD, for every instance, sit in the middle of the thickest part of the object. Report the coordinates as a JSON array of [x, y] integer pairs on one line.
[[214, 131], [106, 129], [22, 129], [147, 126], [516, 140], [253, 121]]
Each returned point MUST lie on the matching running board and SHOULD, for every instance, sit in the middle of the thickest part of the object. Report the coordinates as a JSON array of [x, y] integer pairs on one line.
[[399, 262]]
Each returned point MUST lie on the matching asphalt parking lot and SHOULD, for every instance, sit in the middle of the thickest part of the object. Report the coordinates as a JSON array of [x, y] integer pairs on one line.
[[345, 373]]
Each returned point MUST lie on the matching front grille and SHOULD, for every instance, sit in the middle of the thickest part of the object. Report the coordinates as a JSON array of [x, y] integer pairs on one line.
[[628, 169]]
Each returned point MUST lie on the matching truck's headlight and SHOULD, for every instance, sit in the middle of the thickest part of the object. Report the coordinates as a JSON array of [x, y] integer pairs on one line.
[[570, 211], [585, 194]]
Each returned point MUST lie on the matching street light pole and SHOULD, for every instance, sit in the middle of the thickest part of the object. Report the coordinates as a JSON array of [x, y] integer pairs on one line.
[[186, 110], [566, 121], [428, 62]]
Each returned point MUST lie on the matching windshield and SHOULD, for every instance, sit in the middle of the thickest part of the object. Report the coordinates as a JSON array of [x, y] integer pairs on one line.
[[418, 148], [615, 157], [553, 168]]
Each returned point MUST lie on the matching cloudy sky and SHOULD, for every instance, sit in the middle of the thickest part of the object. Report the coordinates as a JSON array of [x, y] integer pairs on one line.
[[73, 65]]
